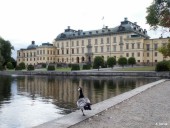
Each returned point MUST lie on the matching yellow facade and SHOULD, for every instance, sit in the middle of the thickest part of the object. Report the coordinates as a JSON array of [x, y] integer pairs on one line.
[[78, 46]]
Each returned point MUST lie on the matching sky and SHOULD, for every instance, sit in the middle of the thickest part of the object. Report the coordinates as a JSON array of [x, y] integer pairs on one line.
[[22, 21]]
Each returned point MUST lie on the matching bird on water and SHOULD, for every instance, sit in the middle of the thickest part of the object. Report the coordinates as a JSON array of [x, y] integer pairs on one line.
[[83, 103]]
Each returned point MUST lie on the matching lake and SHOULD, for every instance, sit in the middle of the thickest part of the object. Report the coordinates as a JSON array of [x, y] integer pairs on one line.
[[27, 101]]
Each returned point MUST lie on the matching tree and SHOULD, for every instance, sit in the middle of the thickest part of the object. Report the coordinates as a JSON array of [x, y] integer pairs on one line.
[[111, 61], [10, 65], [22, 65], [165, 50], [6, 50], [132, 61], [98, 61], [122, 61], [159, 14]]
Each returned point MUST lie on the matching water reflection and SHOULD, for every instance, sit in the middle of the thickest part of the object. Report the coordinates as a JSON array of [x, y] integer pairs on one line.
[[43, 98]]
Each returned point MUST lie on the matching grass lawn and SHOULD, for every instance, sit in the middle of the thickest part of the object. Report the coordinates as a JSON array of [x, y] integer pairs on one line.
[[145, 68]]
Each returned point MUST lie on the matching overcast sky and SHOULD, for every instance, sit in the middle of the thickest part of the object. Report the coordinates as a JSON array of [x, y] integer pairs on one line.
[[22, 21]]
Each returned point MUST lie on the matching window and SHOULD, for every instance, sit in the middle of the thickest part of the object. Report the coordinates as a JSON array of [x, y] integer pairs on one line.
[[127, 46], [82, 50], [72, 51], [82, 42], [156, 54], [43, 51], [96, 49], [66, 44], [138, 54], [155, 46], [127, 54], [121, 39], [114, 39], [101, 48], [77, 43], [72, 43], [138, 61], [96, 41], [108, 48], [77, 51], [132, 54], [121, 48], [62, 51], [147, 54], [133, 45], [101, 40], [89, 41], [114, 48], [67, 51], [138, 45], [58, 52], [147, 47], [108, 40]]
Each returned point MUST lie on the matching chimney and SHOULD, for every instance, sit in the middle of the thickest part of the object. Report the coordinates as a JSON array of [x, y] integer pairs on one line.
[[135, 23], [68, 27], [125, 19], [33, 42]]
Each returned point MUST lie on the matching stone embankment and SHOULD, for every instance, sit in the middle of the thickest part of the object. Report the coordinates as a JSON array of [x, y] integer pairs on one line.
[[91, 73]]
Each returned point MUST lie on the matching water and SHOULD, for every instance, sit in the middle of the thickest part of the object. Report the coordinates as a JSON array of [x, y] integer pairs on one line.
[[27, 101]]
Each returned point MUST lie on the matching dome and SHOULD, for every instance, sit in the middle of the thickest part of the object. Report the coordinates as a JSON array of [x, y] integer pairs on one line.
[[32, 45]]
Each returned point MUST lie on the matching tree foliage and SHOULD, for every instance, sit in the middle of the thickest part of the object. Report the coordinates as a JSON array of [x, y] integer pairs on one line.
[[98, 61], [131, 61], [22, 65], [111, 61], [5, 50], [165, 50], [122, 61], [10, 65], [159, 14]]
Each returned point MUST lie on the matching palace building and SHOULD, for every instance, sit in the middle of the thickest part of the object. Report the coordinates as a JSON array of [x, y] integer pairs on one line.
[[77, 46]]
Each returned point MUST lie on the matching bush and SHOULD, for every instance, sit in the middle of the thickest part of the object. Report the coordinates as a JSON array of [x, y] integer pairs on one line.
[[43, 65], [75, 67], [30, 67], [86, 66], [18, 67], [163, 66], [111, 61], [98, 61], [131, 61], [10, 65], [1, 67], [51, 67], [122, 61], [22, 65]]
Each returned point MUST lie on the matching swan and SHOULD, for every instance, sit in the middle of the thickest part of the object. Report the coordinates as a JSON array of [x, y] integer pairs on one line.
[[83, 103]]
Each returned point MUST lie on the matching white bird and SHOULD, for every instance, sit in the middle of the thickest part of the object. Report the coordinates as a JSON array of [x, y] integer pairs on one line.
[[83, 103]]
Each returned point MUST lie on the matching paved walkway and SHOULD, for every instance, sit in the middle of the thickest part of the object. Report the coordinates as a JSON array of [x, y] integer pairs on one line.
[[149, 109]]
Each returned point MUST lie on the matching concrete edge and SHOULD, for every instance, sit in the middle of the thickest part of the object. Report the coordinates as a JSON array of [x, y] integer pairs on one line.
[[76, 117]]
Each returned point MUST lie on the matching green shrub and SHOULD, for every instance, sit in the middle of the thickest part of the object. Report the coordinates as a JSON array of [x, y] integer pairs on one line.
[[18, 67], [1, 67], [44, 65], [9, 65], [75, 67], [22, 65], [30, 67], [86, 66], [163, 66], [51, 67]]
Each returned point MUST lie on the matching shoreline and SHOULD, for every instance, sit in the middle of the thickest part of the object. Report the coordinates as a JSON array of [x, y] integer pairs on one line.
[[90, 73]]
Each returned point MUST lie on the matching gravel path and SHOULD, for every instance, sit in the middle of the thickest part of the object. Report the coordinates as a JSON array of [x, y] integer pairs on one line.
[[149, 109]]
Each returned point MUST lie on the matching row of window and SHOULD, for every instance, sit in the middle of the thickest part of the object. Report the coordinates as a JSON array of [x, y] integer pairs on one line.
[[139, 54], [39, 52], [101, 41]]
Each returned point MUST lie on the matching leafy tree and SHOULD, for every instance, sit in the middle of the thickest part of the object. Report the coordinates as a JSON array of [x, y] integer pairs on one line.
[[159, 14], [122, 61], [22, 65], [111, 61], [165, 50], [98, 61], [30, 67], [5, 50], [10, 65], [132, 61]]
